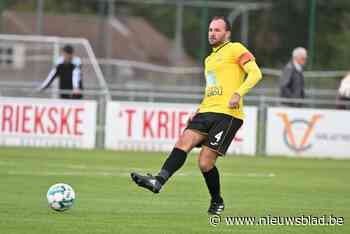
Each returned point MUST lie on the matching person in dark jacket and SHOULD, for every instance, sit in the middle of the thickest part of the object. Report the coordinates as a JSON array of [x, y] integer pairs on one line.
[[292, 78], [68, 69]]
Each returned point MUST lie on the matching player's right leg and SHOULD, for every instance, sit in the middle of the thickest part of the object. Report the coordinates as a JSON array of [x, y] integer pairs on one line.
[[187, 141], [206, 162]]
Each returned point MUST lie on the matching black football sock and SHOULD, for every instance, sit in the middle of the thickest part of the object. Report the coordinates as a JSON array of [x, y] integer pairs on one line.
[[173, 163], [212, 179]]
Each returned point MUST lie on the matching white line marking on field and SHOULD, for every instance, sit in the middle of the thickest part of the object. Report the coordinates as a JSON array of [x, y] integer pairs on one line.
[[111, 171], [122, 174], [75, 166], [234, 174]]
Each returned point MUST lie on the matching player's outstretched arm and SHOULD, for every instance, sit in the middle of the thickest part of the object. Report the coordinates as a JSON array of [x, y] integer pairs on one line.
[[49, 79]]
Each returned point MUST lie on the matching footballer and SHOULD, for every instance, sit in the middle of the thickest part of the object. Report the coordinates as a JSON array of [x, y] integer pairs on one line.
[[230, 72]]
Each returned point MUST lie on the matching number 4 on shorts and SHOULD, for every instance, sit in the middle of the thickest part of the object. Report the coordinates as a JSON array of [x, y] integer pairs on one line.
[[218, 136]]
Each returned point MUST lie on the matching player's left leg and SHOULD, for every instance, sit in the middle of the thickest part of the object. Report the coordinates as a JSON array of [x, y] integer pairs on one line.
[[206, 162], [219, 139]]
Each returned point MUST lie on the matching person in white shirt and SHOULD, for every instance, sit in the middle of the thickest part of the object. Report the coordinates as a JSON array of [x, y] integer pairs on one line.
[[344, 93]]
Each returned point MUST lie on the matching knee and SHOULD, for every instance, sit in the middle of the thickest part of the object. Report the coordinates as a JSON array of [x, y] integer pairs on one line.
[[184, 145], [205, 165]]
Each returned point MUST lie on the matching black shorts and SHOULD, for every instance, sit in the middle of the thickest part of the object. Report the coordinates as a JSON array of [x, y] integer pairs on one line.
[[220, 129], [71, 96]]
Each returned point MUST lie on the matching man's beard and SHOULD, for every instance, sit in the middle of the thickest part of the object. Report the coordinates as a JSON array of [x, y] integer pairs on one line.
[[218, 43]]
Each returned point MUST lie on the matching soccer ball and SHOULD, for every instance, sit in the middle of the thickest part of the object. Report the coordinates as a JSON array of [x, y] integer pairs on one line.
[[60, 197]]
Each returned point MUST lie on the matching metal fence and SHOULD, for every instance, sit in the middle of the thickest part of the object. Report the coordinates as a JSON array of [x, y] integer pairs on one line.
[[134, 76], [262, 102]]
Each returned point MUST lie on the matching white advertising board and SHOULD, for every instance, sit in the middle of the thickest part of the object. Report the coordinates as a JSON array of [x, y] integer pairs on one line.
[[157, 126], [47, 123], [308, 132]]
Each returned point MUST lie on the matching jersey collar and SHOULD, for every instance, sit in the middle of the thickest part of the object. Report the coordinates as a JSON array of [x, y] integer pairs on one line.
[[216, 49]]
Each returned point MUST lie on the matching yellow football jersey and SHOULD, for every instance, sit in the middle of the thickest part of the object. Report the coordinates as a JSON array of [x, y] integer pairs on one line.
[[225, 71]]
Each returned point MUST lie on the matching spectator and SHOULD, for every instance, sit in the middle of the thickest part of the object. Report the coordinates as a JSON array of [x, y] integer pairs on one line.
[[344, 93], [68, 69], [292, 78]]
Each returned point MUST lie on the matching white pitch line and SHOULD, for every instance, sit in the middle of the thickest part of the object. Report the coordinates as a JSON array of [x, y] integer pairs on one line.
[[74, 166], [234, 174], [111, 171], [121, 174]]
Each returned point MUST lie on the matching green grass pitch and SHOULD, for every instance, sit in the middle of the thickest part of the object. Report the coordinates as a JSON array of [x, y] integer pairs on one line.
[[108, 202]]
